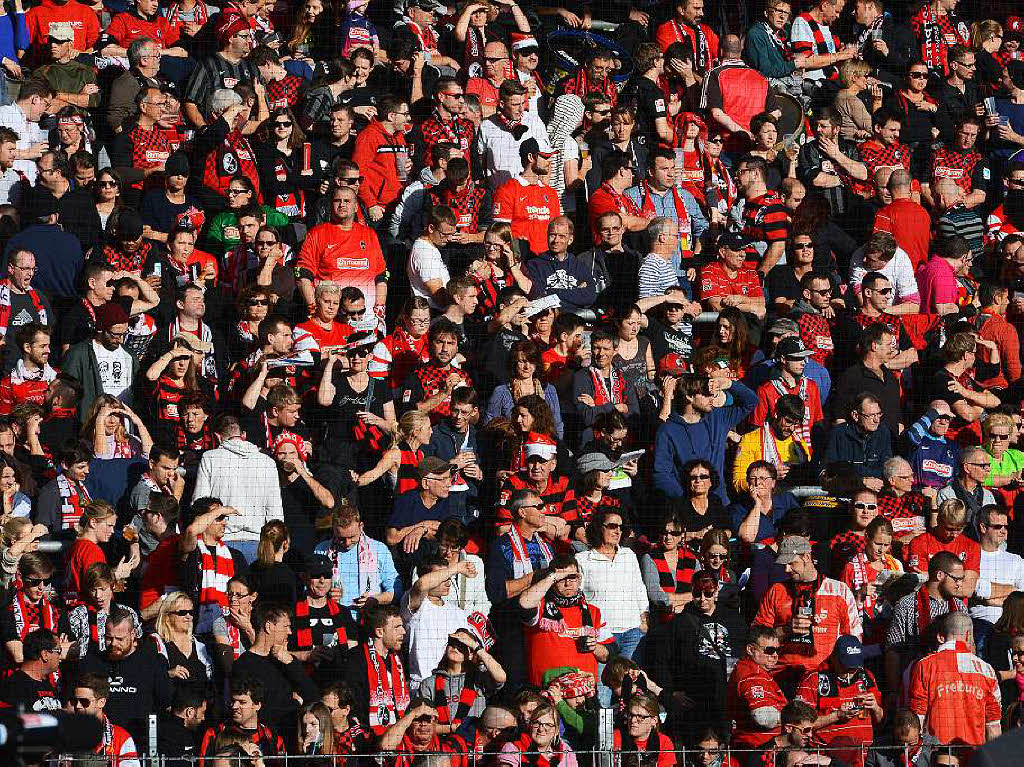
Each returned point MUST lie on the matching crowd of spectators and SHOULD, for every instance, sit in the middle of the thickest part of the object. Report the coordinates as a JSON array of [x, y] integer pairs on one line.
[[443, 380]]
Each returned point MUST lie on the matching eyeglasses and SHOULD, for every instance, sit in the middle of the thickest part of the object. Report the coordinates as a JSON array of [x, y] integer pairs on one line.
[[981, 465], [866, 506], [995, 527], [707, 592], [106, 184], [349, 180], [669, 532], [803, 246], [36, 581], [363, 352], [283, 124], [233, 597], [612, 525], [822, 292], [955, 578], [258, 302], [870, 415], [233, 192], [180, 613], [634, 717], [770, 649], [459, 96], [1018, 653], [355, 313], [543, 725], [709, 556]]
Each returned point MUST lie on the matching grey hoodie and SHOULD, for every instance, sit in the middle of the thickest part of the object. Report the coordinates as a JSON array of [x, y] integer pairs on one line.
[[239, 475]]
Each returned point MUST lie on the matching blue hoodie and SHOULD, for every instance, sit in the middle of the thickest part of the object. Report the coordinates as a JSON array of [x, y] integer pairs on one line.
[[678, 442], [933, 459]]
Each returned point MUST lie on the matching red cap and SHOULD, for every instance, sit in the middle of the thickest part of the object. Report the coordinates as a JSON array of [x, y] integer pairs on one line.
[[673, 365], [231, 24], [540, 445]]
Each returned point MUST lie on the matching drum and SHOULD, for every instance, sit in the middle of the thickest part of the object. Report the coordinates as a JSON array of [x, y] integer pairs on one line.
[[792, 124], [568, 48]]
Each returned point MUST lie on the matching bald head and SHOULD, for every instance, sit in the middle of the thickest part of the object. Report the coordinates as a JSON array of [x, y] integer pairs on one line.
[[495, 49], [948, 192], [958, 627], [731, 47], [899, 183]]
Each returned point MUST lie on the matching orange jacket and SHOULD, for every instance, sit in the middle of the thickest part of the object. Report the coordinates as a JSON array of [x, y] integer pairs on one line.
[[377, 153]]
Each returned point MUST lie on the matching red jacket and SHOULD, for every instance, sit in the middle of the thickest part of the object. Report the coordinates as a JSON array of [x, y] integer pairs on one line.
[[82, 19], [910, 224], [377, 153], [957, 693]]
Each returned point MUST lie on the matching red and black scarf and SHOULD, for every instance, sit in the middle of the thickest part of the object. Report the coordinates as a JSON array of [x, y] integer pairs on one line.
[[303, 630], [467, 698]]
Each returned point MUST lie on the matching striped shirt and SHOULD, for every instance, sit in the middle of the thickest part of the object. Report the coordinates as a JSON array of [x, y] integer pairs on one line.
[[963, 222], [656, 276]]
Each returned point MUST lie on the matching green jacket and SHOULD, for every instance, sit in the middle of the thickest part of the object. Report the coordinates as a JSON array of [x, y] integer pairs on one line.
[[80, 362], [760, 52]]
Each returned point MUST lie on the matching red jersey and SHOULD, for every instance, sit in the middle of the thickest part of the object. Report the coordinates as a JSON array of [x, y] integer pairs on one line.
[[397, 355], [751, 687], [81, 554], [551, 634], [700, 39], [835, 613], [715, 283], [957, 693], [956, 165], [558, 497], [83, 21], [925, 546], [769, 392], [607, 200], [126, 28], [766, 218], [346, 256], [665, 747], [529, 208], [378, 155], [825, 692], [553, 364], [309, 335], [22, 386]]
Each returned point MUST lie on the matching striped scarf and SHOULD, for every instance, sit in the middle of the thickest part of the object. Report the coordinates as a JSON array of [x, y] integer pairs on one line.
[[803, 431], [821, 47], [304, 630], [389, 689], [217, 568], [28, 616], [73, 496]]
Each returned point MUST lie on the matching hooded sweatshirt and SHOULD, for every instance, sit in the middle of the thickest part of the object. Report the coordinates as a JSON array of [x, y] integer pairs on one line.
[[242, 477], [566, 279]]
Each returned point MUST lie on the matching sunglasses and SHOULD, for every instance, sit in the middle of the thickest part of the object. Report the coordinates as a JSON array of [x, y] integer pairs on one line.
[[258, 302], [364, 352], [180, 613], [106, 184], [716, 556], [350, 181], [82, 702], [866, 506], [770, 650], [995, 527], [918, 75], [700, 477], [707, 592], [283, 124], [671, 533], [612, 525], [37, 581], [995, 436]]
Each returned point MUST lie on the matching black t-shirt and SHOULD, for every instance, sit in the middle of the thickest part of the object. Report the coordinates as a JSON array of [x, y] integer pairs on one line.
[[163, 215], [340, 417], [650, 105], [23, 311], [936, 387], [669, 340], [19, 689]]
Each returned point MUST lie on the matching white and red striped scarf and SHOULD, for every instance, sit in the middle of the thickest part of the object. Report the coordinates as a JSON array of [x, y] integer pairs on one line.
[[602, 396], [521, 563], [73, 496], [803, 431], [389, 689], [217, 569]]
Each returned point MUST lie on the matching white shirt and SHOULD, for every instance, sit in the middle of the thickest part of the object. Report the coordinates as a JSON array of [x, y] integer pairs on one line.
[[899, 271], [115, 369], [425, 264], [428, 630], [615, 586], [996, 567], [29, 133], [500, 149], [802, 33]]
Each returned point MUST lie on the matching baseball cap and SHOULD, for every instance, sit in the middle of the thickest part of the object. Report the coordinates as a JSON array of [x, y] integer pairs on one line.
[[849, 652], [594, 462], [1015, 71], [783, 326], [733, 241], [792, 346], [319, 565], [530, 146], [177, 165], [61, 31], [791, 548], [432, 465], [129, 226], [673, 365]]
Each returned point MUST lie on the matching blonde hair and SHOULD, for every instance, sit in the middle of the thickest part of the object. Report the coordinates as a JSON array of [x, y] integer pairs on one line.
[[272, 538], [952, 513], [503, 229], [982, 31], [851, 69], [13, 529], [323, 716], [167, 604], [998, 419], [408, 425], [96, 511]]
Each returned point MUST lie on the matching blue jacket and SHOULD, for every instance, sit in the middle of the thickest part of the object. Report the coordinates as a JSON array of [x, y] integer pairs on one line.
[[867, 451], [59, 258], [934, 459], [678, 442], [446, 443], [565, 279]]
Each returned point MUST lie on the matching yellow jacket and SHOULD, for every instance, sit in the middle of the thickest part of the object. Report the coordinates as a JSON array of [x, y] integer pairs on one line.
[[750, 450]]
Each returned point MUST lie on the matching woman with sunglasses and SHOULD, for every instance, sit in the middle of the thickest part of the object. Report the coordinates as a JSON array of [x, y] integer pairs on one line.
[[171, 376], [253, 306], [713, 555], [847, 543], [612, 581], [667, 570], [223, 234], [539, 744], [639, 740], [96, 526], [1005, 646], [999, 432], [188, 659], [106, 194], [707, 642], [233, 631], [88, 620], [358, 412], [284, 160], [916, 107], [460, 685], [700, 508], [783, 281]]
